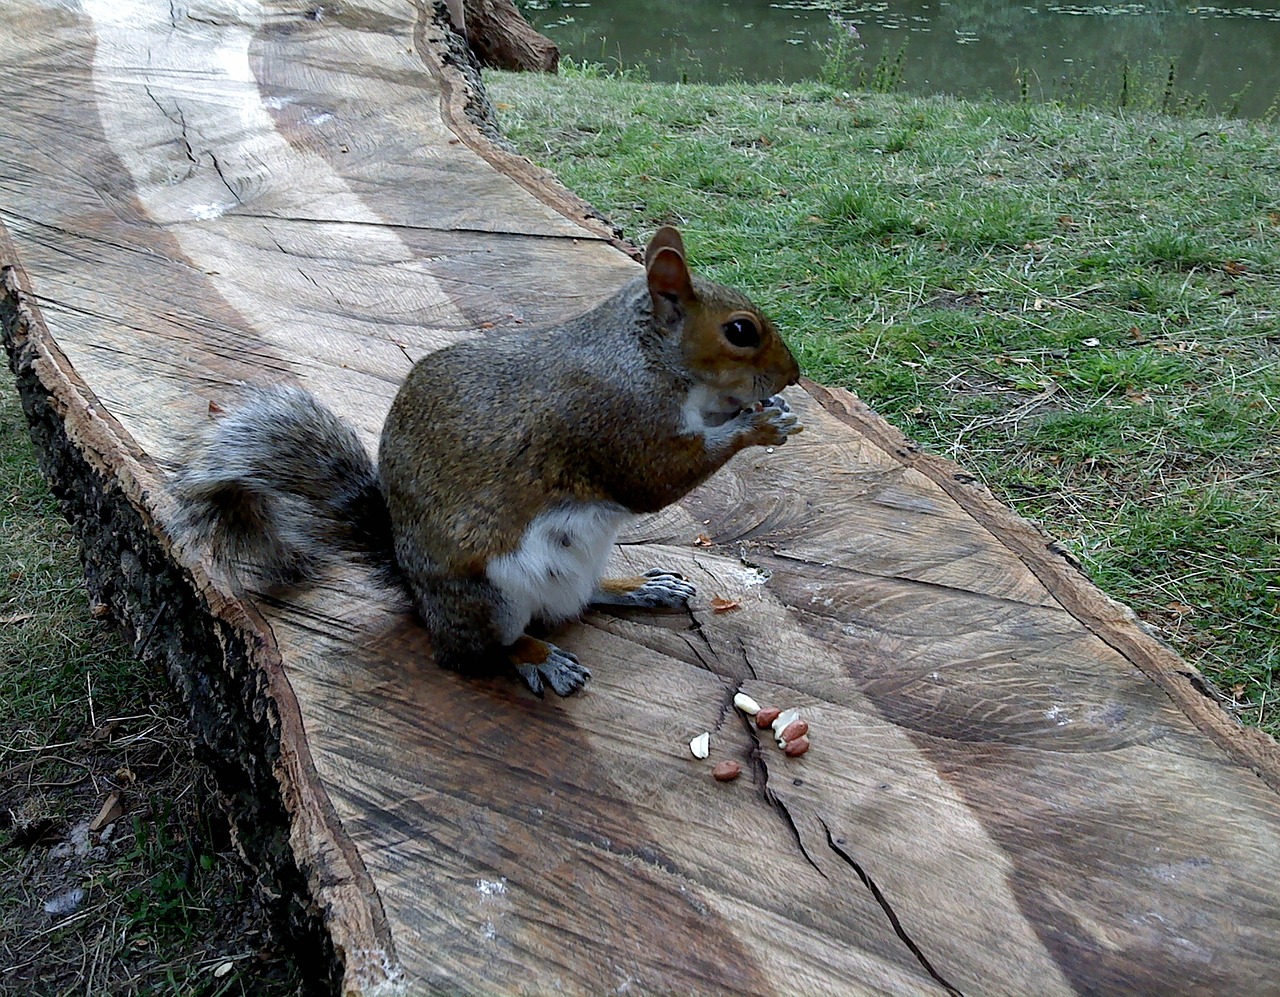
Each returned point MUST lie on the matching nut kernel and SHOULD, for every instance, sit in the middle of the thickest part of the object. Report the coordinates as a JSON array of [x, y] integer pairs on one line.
[[701, 745], [781, 721], [726, 771]]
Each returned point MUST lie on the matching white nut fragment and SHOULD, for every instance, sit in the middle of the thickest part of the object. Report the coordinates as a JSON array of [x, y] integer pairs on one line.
[[701, 745], [746, 704], [784, 718]]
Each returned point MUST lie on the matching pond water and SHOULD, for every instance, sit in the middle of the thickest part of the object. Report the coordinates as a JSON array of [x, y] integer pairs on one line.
[[1106, 54]]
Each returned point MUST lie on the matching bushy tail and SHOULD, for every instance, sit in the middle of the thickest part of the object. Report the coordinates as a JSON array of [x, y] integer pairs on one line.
[[284, 484]]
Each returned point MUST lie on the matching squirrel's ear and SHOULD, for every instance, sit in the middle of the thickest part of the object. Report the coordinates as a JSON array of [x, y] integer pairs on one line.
[[669, 280], [665, 238]]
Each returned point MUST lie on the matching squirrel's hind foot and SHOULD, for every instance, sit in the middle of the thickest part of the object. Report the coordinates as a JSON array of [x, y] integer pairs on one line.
[[656, 589], [541, 664]]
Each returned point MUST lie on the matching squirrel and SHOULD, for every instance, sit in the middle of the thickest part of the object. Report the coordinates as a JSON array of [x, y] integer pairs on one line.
[[506, 466]]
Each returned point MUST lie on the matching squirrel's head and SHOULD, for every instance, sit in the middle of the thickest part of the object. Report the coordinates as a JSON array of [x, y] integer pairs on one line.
[[726, 343]]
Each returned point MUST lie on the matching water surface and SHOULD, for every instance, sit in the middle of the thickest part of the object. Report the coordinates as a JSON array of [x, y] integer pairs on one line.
[[1228, 53]]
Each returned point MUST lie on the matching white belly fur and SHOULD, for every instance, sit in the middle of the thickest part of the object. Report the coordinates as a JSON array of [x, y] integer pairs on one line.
[[553, 573]]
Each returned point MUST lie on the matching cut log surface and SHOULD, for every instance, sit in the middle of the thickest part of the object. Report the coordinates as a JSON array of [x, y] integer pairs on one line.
[[1012, 788]]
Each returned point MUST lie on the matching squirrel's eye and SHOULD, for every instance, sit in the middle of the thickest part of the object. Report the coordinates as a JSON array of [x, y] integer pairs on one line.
[[742, 332]]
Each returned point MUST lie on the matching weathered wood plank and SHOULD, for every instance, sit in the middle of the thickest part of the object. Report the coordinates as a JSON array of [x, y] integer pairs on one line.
[[1012, 788]]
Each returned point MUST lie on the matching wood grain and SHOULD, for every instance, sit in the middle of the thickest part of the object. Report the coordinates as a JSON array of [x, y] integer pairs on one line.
[[1012, 788]]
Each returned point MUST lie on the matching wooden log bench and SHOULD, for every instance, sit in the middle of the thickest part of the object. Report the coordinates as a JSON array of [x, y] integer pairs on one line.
[[1012, 790]]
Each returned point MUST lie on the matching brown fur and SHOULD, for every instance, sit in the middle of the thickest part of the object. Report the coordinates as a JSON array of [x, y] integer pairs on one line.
[[621, 586]]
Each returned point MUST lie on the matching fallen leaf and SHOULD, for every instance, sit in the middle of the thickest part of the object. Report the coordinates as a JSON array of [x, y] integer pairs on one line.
[[1232, 269], [111, 810], [16, 617], [722, 605], [702, 540], [215, 408], [1181, 608]]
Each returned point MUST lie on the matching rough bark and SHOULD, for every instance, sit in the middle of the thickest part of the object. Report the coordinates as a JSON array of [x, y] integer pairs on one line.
[[208, 657], [503, 39]]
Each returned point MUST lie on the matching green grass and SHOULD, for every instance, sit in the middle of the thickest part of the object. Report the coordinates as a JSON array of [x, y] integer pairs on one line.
[[1080, 307], [166, 903]]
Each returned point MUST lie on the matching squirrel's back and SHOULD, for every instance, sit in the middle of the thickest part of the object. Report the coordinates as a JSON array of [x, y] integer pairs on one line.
[[489, 432]]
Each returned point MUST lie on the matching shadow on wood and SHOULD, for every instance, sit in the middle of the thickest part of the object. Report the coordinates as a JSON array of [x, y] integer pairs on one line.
[[1012, 789]]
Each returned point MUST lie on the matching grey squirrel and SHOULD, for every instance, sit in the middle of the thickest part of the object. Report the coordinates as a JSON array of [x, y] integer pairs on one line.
[[507, 465]]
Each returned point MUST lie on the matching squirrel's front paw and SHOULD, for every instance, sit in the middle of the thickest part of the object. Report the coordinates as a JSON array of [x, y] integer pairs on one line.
[[560, 669], [774, 423]]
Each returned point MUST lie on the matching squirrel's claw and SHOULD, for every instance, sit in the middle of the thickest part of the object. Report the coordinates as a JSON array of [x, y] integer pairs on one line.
[[664, 588], [561, 671], [772, 425]]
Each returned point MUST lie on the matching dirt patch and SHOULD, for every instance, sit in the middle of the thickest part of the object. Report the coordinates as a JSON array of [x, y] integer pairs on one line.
[[120, 876], [956, 300]]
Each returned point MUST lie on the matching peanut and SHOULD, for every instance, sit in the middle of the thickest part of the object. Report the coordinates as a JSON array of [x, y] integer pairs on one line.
[[796, 748]]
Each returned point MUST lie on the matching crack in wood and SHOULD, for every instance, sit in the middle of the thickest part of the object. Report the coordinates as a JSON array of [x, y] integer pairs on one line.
[[386, 226], [746, 659], [696, 653], [221, 176], [777, 803], [836, 845], [940, 586]]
